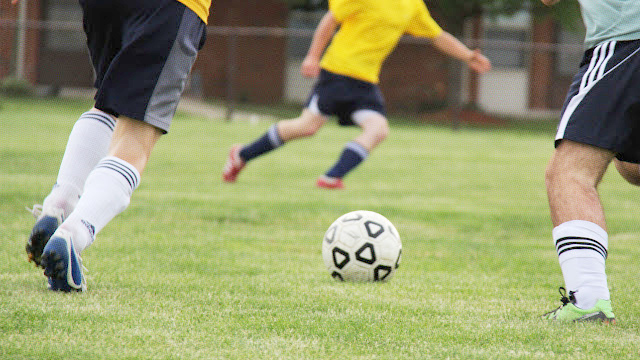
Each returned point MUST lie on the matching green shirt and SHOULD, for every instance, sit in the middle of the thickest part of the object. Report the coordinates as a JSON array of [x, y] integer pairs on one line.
[[607, 20]]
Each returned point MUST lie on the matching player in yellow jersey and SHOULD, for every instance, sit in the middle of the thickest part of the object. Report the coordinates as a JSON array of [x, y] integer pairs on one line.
[[348, 77], [142, 52]]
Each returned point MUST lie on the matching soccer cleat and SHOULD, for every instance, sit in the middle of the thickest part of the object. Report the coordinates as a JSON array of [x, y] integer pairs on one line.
[[568, 311], [326, 182], [234, 165], [46, 224], [62, 265]]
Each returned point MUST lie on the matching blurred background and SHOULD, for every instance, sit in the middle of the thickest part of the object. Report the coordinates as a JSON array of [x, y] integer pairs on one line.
[[254, 50]]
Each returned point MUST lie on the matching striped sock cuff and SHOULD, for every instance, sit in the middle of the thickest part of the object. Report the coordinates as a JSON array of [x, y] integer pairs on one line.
[[274, 137], [579, 243], [100, 116], [358, 149], [128, 171], [580, 238]]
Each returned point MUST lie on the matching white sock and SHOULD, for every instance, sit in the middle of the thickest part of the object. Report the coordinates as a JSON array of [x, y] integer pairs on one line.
[[106, 194], [62, 196], [582, 251], [88, 143]]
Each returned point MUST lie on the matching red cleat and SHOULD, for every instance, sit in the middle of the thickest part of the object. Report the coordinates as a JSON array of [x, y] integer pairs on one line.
[[234, 165], [326, 182]]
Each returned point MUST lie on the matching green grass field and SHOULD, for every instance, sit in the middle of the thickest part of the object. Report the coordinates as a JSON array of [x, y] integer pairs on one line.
[[199, 269]]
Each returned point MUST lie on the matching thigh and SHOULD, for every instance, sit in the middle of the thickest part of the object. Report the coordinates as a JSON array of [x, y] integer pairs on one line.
[[629, 171]]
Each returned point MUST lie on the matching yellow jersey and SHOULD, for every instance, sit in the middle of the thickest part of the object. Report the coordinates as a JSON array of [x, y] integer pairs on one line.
[[370, 30], [200, 7]]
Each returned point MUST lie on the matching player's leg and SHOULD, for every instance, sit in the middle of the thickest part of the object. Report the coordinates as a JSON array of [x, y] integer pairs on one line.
[[90, 137], [629, 171], [579, 233], [572, 177], [307, 124], [600, 112], [88, 143], [375, 129], [143, 85], [111, 183], [108, 191]]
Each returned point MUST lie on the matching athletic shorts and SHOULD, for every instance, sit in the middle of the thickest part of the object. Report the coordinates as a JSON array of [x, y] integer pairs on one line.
[[343, 96], [602, 107], [142, 52]]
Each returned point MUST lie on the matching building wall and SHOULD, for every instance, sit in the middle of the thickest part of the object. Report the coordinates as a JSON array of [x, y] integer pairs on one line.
[[415, 77], [64, 46], [257, 62], [8, 36]]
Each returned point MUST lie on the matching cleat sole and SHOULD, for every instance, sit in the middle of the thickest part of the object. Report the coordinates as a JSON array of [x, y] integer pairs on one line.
[[40, 235]]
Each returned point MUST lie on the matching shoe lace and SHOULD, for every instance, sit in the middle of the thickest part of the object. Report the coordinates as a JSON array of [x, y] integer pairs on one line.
[[571, 299], [36, 211], [566, 300]]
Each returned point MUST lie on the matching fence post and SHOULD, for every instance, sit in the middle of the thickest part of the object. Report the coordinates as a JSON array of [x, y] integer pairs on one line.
[[21, 40], [232, 65], [454, 93]]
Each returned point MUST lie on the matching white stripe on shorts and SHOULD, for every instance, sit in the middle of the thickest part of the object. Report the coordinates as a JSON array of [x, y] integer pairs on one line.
[[597, 66], [594, 59], [612, 48], [313, 106]]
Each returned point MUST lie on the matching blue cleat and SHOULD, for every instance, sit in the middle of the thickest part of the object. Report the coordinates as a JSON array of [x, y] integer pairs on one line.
[[45, 226], [62, 265]]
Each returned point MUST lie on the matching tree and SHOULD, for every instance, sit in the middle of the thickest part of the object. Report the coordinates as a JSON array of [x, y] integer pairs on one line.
[[455, 12], [306, 4]]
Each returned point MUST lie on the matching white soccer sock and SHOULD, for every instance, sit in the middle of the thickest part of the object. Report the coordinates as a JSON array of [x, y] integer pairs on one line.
[[62, 196], [106, 194], [582, 250], [88, 143]]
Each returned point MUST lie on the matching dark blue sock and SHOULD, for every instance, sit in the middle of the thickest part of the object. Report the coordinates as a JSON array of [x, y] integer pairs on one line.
[[267, 142], [351, 156]]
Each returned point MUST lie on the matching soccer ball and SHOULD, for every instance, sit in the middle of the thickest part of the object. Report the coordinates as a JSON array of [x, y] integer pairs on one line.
[[362, 246]]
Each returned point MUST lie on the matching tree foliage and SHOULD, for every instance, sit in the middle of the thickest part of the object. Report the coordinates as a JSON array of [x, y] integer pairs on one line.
[[454, 12], [306, 4]]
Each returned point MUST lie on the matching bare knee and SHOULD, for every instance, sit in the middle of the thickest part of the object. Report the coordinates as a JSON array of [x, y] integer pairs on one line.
[[556, 177], [310, 127], [382, 131], [375, 129], [576, 165], [629, 171]]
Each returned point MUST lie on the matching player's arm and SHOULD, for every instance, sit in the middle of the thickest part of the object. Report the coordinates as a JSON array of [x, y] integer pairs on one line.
[[550, 2], [321, 37], [451, 46]]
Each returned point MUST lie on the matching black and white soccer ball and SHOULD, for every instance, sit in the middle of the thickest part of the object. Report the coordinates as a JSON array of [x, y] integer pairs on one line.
[[362, 246]]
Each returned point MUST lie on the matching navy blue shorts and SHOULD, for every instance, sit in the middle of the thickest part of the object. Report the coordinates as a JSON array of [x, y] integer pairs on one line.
[[602, 107], [342, 96], [142, 52]]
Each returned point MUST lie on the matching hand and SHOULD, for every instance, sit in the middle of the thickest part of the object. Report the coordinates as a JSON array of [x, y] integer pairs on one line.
[[549, 2], [310, 67], [478, 62]]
